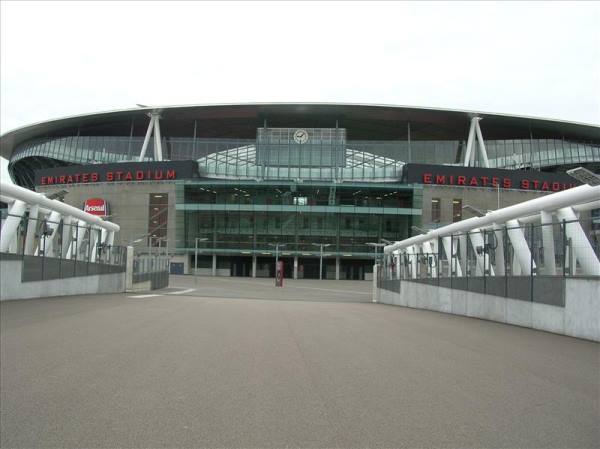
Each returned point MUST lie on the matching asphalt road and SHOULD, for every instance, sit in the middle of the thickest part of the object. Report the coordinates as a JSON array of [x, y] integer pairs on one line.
[[183, 369]]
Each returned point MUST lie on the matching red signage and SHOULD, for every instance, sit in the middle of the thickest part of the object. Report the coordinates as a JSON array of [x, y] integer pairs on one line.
[[494, 181], [279, 274], [117, 172], [448, 175], [111, 176], [96, 206]]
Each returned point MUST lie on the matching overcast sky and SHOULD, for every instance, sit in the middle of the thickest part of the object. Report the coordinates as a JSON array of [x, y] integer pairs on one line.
[[539, 59]]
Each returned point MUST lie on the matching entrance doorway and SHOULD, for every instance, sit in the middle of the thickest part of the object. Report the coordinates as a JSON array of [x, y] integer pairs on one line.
[[241, 266]]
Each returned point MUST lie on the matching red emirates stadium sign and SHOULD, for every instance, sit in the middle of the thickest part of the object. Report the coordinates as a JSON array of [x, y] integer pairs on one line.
[[118, 172], [96, 206], [448, 175]]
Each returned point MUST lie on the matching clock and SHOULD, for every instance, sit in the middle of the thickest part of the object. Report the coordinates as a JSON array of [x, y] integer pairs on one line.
[[301, 136]]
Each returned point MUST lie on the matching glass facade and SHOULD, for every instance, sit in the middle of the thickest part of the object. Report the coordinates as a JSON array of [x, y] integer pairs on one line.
[[249, 217], [456, 210], [436, 210], [158, 214], [318, 160]]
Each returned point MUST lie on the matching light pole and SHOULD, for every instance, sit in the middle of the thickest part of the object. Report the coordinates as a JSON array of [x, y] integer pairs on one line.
[[375, 245], [498, 193], [277, 245], [321, 246], [197, 239]]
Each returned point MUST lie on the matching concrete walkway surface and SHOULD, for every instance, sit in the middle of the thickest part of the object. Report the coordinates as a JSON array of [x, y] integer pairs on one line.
[[235, 363]]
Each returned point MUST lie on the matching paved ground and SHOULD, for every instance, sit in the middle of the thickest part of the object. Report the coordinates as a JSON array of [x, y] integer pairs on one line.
[[184, 370], [294, 290]]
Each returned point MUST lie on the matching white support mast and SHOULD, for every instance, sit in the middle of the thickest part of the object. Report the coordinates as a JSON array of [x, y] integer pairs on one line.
[[475, 133], [154, 125]]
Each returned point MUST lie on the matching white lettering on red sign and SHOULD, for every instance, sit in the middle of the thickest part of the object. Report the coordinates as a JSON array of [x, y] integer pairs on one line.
[[95, 206]]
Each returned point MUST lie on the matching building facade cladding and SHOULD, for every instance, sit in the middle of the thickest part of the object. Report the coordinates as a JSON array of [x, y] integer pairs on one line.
[[239, 158], [250, 217]]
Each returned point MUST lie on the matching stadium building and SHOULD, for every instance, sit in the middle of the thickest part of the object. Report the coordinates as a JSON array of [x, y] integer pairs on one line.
[[243, 184]]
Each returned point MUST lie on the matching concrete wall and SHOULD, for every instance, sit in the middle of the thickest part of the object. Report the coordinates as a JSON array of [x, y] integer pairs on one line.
[[579, 318], [128, 204], [11, 286], [479, 197]]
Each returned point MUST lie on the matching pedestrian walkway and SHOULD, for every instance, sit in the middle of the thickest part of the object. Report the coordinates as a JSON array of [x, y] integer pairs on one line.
[[187, 369]]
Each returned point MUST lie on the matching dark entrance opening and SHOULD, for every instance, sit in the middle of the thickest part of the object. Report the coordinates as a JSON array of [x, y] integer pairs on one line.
[[265, 267], [308, 268], [355, 270], [241, 266]]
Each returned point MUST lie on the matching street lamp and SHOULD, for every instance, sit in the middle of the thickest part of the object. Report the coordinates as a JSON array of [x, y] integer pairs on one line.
[[166, 240], [197, 239], [277, 246], [375, 245], [137, 240], [321, 246]]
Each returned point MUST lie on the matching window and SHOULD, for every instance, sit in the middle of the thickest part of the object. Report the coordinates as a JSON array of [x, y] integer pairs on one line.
[[300, 200], [435, 210], [456, 210], [157, 217]]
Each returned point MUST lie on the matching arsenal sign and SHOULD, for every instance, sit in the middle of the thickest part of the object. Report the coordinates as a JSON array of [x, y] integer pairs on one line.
[[96, 206]]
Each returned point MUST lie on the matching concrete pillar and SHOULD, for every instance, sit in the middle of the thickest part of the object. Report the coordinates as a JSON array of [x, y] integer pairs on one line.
[[80, 234], [52, 228], [548, 241], [429, 252], [499, 262], [104, 252], [412, 259], [374, 297], [214, 265], [454, 264], [8, 235], [295, 267], [580, 245], [67, 236], [92, 244], [522, 252], [462, 249], [516, 267], [337, 268], [254, 265], [482, 258], [32, 225], [129, 269]]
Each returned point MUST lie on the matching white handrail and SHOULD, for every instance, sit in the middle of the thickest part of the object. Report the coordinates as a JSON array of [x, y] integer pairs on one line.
[[548, 203], [33, 198]]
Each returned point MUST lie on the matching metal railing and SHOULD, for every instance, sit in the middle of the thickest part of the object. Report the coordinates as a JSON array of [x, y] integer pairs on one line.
[[63, 250], [491, 267], [153, 268]]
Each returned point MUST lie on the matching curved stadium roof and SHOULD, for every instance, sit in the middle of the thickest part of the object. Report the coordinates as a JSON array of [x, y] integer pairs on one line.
[[362, 122]]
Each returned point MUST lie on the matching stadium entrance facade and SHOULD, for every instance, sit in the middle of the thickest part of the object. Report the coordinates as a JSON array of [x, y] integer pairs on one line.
[[230, 188]]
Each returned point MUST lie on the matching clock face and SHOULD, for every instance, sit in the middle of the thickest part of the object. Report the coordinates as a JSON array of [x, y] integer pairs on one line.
[[301, 136]]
